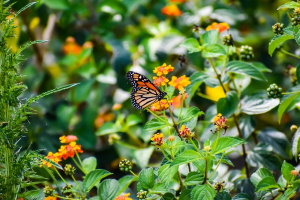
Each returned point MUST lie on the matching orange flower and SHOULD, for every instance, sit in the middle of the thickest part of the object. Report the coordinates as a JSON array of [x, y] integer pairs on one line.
[[185, 133], [55, 157], [157, 139], [70, 150], [160, 80], [163, 69], [218, 26], [180, 82], [160, 105], [68, 138], [116, 106], [177, 101], [50, 198], [171, 10], [71, 47], [102, 118], [123, 197], [294, 172], [87, 45], [178, 1]]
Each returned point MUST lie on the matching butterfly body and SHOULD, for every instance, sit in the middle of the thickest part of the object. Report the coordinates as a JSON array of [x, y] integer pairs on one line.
[[144, 92]]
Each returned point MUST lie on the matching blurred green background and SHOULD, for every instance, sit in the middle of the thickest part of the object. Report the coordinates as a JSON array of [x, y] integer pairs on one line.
[[95, 42]]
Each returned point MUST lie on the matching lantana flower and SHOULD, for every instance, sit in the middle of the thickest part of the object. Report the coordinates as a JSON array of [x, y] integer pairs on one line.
[[54, 157], [70, 150], [160, 105], [71, 46], [180, 82], [157, 139], [171, 10], [177, 100], [185, 133], [160, 80], [68, 138], [123, 197], [218, 26], [220, 122], [163, 69]]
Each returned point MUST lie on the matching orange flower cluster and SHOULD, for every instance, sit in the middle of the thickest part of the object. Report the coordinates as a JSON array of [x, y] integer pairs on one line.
[[102, 118], [161, 71], [123, 197], [185, 133], [218, 26], [160, 80], [161, 105], [171, 10], [65, 151], [180, 82], [177, 101], [50, 198], [220, 122], [72, 47], [157, 139]]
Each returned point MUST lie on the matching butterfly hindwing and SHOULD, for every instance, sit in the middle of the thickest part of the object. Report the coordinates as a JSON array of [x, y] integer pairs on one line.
[[144, 92]]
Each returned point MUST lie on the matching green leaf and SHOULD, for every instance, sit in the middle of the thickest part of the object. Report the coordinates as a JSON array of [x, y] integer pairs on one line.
[[28, 44], [185, 194], [228, 104], [222, 196], [244, 68], [132, 120], [125, 181], [213, 50], [261, 67], [266, 183], [288, 194], [246, 126], [189, 114], [57, 4], [260, 174], [81, 92], [24, 8], [258, 104], [203, 192], [159, 188], [168, 196], [277, 140], [166, 173], [286, 169], [186, 157], [297, 33], [285, 104], [108, 128], [193, 178], [146, 178], [192, 45], [290, 4], [156, 124], [108, 189], [210, 37], [296, 144], [142, 156], [225, 143], [277, 41], [89, 164], [196, 79], [93, 178], [241, 196], [298, 72]]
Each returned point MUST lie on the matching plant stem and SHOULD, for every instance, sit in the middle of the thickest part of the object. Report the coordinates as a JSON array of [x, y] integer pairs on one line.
[[288, 53]]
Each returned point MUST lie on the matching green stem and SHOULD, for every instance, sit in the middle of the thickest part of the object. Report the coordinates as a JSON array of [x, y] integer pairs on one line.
[[173, 120], [158, 117], [288, 53], [60, 176], [78, 165]]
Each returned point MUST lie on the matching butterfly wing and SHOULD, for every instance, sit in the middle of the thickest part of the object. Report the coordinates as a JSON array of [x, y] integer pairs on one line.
[[144, 92]]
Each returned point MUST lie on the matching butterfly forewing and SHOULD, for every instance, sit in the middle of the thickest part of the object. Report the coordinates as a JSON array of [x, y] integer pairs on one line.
[[144, 92]]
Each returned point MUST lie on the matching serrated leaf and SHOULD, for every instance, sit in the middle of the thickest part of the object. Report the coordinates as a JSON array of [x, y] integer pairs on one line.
[[244, 68], [93, 178], [89, 164], [296, 144], [166, 173], [258, 104], [108, 189], [266, 183], [186, 157], [193, 178], [297, 33], [210, 37], [285, 104], [159, 188], [189, 114], [125, 181], [286, 169], [290, 4], [185, 194], [277, 41], [228, 105], [222, 196], [225, 143], [192, 45], [203, 192], [156, 124], [260, 174], [213, 50], [146, 178]]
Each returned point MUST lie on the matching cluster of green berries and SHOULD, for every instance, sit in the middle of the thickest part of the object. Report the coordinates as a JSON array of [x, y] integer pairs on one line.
[[141, 195], [48, 191], [67, 191], [246, 52], [69, 169], [228, 40], [125, 165], [274, 91], [296, 17], [278, 28]]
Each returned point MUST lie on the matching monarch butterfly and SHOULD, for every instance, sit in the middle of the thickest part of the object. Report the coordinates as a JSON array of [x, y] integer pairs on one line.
[[144, 92]]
